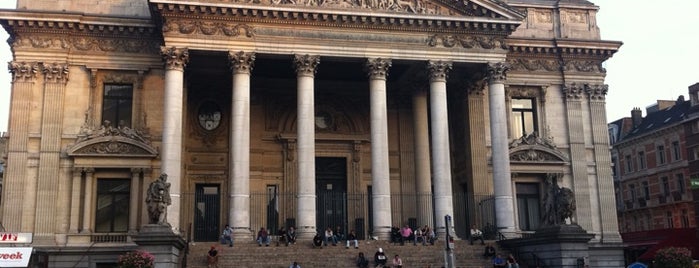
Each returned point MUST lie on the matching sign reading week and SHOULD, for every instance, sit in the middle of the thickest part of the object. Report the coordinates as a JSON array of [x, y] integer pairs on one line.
[[15, 257]]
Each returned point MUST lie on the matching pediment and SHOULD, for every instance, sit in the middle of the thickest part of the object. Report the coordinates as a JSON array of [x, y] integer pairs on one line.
[[534, 149], [107, 146], [490, 9]]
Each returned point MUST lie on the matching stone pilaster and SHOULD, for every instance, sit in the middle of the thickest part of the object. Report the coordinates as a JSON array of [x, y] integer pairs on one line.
[[134, 200], [171, 152], [75, 204], [423, 172], [23, 79], [88, 207], [239, 187], [380, 172], [441, 158], [573, 93], [55, 79], [607, 220], [502, 182], [305, 131], [63, 211]]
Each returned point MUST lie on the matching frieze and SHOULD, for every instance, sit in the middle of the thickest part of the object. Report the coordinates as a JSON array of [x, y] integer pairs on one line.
[[525, 92], [533, 139], [540, 15], [397, 6], [533, 155], [23, 71], [208, 28], [467, 41], [88, 44], [585, 66], [111, 147], [107, 130], [533, 65]]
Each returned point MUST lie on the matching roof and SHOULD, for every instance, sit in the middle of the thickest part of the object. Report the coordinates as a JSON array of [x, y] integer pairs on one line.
[[661, 119]]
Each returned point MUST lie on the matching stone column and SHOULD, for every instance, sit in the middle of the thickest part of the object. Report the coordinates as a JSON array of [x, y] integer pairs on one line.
[[63, 211], [171, 152], [133, 200], [573, 93], [502, 183], [305, 130], [607, 220], [23, 79], [380, 173], [88, 201], [75, 200], [441, 159], [481, 183], [55, 79], [239, 185], [423, 173]]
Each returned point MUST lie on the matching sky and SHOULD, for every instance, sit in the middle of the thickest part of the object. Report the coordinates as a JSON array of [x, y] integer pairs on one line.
[[657, 61]]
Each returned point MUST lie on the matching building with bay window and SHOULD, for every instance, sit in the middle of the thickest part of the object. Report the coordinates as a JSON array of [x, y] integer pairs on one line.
[[359, 114]]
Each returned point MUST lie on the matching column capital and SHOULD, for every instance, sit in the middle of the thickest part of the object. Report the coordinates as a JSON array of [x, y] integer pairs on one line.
[[55, 72], [175, 58], [497, 72], [476, 86], [241, 62], [597, 91], [438, 70], [573, 91], [23, 71], [306, 65], [377, 68]]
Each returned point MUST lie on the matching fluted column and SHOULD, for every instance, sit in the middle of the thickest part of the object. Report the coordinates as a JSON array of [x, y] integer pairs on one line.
[[88, 208], [502, 183], [481, 185], [239, 186], [23, 79], [171, 152], [305, 131], [380, 173], [423, 173], [55, 79], [606, 222], [573, 93], [133, 199], [75, 200], [441, 159]]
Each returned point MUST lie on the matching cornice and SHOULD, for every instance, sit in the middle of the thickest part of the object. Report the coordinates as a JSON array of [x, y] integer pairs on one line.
[[309, 16], [13, 20]]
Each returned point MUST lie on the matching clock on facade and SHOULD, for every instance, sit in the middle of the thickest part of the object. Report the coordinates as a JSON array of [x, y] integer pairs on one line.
[[209, 115]]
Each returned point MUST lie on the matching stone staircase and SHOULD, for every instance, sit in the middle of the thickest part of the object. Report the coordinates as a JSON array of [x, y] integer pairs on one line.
[[249, 254]]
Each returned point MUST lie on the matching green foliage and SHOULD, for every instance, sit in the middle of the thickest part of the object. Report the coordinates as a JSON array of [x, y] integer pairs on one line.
[[672, 257], [136, 259]]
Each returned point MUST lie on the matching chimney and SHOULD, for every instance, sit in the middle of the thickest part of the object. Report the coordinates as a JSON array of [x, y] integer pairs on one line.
[[694, 94], [636, 116]]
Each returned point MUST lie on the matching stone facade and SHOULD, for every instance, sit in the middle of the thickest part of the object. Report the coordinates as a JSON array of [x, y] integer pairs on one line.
[[422, 108]]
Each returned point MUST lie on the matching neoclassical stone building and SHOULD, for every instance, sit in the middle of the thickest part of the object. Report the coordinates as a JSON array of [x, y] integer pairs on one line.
[[364, 114]]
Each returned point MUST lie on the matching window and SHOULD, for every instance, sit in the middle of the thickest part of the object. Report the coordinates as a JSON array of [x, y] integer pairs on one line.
[[523, 117], [112, 211], [117, 103], [660, 150], [615, 165], [646, 190], [680, 182], [641, 160], [666, 186], [670, 224], [649, 222], [676, 151], [695, 153], [528, 206], [632, 192], [629, 165], [685, 219]]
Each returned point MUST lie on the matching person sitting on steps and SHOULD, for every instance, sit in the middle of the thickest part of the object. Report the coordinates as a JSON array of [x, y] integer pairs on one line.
[[352, 237], [317, 241], [212, 258], [262, 237], [291, 236], [380, 258], [489, 251], [281, 236], [476, 234], [362, 262]]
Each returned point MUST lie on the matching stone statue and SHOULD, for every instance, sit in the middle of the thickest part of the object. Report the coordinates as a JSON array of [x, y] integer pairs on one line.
[[158, 199], [559, 202]]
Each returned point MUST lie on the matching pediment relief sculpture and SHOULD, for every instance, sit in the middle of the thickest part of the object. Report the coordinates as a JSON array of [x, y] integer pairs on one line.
[[109, 140], [533, 148]]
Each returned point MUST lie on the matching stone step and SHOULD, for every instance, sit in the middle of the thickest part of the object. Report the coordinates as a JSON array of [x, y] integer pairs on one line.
[[249, 254]]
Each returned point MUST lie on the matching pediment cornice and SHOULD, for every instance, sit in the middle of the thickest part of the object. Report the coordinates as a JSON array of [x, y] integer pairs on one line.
[[535, 149], [109, 141], [483, 16]]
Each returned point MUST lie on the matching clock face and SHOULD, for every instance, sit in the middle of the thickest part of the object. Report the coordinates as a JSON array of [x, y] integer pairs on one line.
[[209, 115]]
